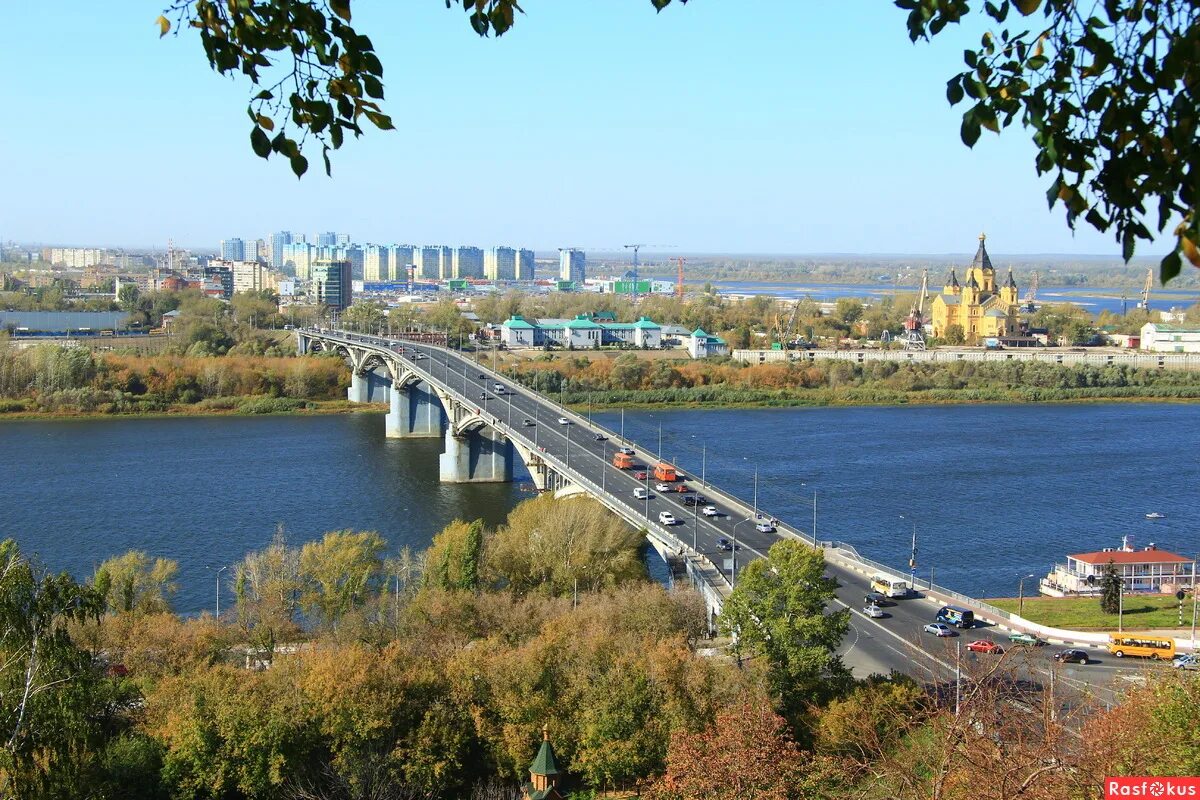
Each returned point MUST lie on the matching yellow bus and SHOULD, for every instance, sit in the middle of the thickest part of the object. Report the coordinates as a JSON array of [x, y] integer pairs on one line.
[[889, 586], [1135, 644]]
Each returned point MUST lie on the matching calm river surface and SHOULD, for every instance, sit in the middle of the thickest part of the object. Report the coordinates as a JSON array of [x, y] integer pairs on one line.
[[997, 492]]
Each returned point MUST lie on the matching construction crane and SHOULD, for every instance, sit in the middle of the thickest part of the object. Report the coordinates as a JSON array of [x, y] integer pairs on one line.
[[634, 270], [1145, 304], [1031, 295], [914, 334]]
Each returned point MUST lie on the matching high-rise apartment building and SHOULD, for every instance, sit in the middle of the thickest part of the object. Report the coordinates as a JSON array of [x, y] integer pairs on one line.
[[426, 260], [468, 262], [331, 283], [233, 250], [525, 264], [327, 239], [298, 258], [375, 263], [249, 276], [278, 240], [354, 254], [445, 263], [222, 275], [571, 263], [400, 257], [500, 264]]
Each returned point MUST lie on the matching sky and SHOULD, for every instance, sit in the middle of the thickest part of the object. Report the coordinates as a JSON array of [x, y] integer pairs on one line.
[[757, 126]]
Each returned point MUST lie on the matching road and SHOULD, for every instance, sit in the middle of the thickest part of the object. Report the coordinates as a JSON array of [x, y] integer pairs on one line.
[[730, 539]]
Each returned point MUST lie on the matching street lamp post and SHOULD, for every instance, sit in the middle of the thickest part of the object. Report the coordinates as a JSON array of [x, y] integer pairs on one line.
[[1021, 595], [912, 561], [217, 577], [733, 572]]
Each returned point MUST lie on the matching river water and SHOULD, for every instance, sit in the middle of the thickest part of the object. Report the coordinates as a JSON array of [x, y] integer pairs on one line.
[[996, 492]]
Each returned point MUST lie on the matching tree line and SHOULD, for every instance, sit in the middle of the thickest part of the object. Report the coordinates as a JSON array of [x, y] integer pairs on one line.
[[346, 671]]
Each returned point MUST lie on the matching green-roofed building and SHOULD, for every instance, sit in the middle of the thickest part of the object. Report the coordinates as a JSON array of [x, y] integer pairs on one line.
[[544, 773]]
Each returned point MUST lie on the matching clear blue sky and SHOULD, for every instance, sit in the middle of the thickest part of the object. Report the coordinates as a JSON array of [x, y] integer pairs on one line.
[[760, 126]]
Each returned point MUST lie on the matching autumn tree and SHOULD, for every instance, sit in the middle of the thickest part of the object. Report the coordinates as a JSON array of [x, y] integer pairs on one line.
[[778, 610], [267, 586], [747, 752], [135, 582], [339, 571]]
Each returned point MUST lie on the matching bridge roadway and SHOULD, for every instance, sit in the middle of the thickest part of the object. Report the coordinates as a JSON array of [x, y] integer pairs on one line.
[[895, 642]]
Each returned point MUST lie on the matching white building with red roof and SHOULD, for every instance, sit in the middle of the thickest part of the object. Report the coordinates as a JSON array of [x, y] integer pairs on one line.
[[1148, 570]]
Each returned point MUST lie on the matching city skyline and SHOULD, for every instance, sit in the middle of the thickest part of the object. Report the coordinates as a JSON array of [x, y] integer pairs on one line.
[[610, 150]]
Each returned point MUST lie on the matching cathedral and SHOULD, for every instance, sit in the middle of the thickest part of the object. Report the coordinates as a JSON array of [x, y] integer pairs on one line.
[[978, 307]]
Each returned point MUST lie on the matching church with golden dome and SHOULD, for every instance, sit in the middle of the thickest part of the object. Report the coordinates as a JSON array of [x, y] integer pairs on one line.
[[977, 306]]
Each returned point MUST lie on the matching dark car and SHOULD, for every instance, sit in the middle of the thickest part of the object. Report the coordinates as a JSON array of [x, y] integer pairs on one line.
[[528, 423], [875, 599], [1072, 656], [600, 437], [724, 544], [689, 500], [482, 376]]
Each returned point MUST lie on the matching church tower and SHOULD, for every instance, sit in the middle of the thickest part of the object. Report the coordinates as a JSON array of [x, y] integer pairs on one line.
[[981, 269], [543, 773], [1008, 294], [952, 288]]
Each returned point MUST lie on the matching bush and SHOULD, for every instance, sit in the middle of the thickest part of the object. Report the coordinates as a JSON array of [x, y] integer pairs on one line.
[[270, 405], [11, 406]]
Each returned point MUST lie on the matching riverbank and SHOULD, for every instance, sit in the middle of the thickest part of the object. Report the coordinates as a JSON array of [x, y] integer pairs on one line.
[[716, 397], [215, 407]]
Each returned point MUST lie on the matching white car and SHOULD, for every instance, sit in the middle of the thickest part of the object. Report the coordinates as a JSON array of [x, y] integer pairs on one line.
[[938, 629], [873, 611], [765, 527], [641, 494], [662, 487], [564, 421], [710, 511], [666, 518]]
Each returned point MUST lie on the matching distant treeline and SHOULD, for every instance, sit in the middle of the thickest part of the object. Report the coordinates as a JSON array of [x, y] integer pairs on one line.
[[48, 378], [629, 380]]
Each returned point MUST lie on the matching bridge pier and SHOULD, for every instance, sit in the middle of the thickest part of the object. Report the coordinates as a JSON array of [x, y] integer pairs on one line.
[[413, 413], [480, 455], [359, 390]]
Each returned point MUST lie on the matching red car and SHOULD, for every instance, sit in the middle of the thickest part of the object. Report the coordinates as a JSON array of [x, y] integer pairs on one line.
[[681, 487], [985, 646], [641, 475]]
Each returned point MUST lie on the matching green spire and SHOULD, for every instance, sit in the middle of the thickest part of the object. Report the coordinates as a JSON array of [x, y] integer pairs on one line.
[[545, 764]]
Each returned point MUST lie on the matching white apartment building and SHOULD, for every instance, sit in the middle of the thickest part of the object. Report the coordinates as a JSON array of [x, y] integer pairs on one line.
[[375, 263], [500, 264], [400, 256], [571, 265]]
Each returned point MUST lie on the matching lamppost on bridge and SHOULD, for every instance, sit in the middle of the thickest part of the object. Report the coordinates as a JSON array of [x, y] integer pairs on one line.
[[755, 486], [912, 560], [217, 577], [814, 505], [733, 572]]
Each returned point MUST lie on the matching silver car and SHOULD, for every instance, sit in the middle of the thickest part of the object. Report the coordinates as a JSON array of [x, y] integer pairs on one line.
[[938, 629]]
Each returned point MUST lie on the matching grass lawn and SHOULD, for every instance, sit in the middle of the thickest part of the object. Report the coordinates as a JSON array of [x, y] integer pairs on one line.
[[1144, 612]]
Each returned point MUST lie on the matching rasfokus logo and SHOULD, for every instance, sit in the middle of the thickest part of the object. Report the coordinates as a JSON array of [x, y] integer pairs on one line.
[[1151, 787]]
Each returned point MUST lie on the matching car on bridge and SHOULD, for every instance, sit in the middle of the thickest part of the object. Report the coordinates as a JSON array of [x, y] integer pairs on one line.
[[482, 377], [875, 599], [600, 437], [985, 646], [724, 544], [641, 475], [1072, 656], [688, 500], [667, 518], [641, 494], [1020, 637], [662, 487], [483, 396], [629, 451], [710, 511], [764, 527], [873, 611], [528, 423], [564, 421], [939, 629]]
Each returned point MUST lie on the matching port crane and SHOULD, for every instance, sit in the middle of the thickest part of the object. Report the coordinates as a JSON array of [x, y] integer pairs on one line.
[[634, 268], [1144, 305], [914, 334]]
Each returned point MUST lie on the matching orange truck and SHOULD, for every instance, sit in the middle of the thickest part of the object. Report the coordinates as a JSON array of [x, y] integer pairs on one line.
[[664, 472], [622, 461]]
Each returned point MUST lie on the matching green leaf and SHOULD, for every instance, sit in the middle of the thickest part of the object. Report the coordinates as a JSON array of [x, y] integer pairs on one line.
[[260, 142], [299, 165], [381, 121], [1169, 267], [954, 90], [341, 8], [970, 128]]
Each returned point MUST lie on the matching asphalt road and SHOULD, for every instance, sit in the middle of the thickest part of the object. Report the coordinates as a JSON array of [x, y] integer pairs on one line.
[[894, 642]]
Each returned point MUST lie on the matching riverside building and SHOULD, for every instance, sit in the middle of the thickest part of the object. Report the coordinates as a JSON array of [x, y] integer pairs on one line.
[[977, 307]]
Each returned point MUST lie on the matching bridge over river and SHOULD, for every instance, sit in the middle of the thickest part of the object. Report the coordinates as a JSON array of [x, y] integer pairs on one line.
[[432, 391]]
